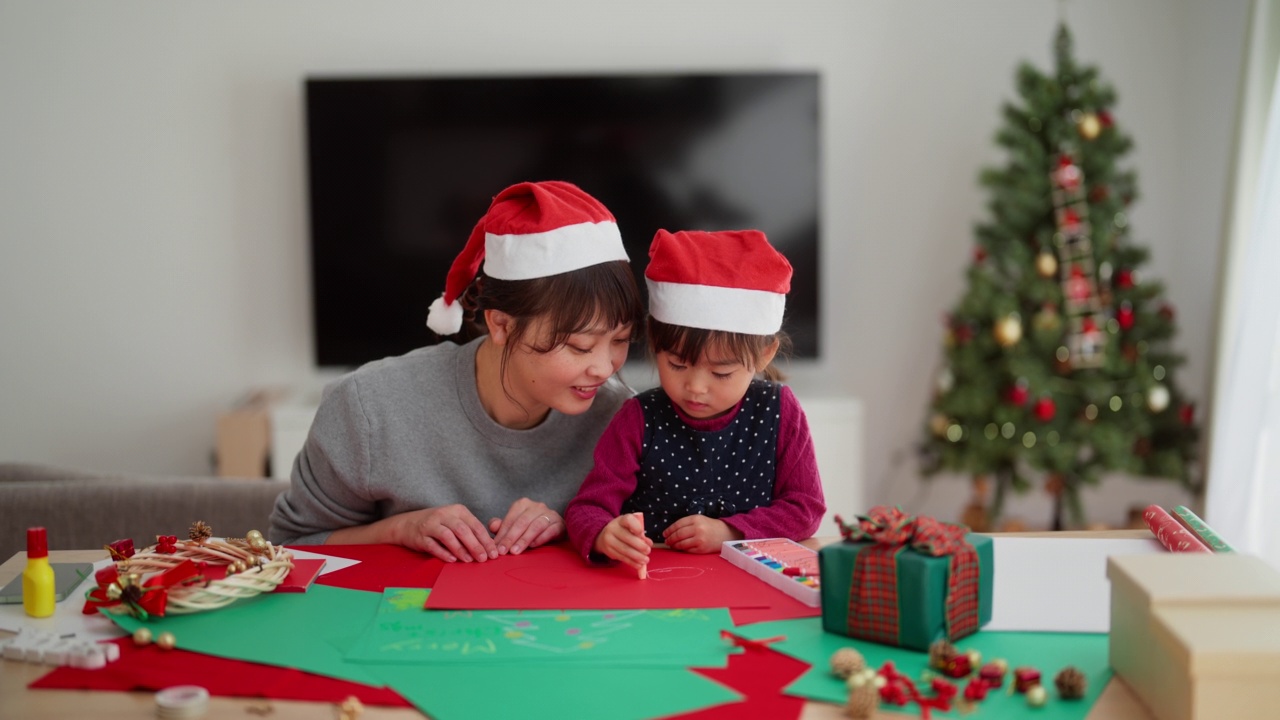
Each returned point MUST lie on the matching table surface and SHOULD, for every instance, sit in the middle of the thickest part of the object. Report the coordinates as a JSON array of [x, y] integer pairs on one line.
[[1117, 701]]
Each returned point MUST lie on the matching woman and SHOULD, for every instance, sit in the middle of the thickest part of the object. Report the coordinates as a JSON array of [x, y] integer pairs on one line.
[[414, 450]]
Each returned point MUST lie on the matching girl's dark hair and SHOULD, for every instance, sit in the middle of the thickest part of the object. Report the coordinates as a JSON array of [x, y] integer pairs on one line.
[[603, 295], [688, 344]]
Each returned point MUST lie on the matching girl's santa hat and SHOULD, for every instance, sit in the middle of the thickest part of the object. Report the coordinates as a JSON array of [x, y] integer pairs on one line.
[[532, 230], [733, 281]]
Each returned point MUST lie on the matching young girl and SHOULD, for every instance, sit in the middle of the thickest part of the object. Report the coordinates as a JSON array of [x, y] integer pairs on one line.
[[469, 451], [714, 453]]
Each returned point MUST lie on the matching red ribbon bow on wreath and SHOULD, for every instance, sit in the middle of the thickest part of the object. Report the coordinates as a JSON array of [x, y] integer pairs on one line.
[[873, 599], [143, 598]]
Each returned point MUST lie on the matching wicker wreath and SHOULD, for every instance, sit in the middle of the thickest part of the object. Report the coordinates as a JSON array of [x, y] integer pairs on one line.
[[253, 566]]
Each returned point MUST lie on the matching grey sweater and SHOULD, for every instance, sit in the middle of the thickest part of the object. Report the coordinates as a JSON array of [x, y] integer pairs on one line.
[[408, 432]]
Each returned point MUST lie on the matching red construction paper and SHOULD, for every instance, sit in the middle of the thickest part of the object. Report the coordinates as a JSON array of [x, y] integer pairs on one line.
[[554, 577], [148, 667], [380, 566], [787, 608], [304, 572], [760, 674]]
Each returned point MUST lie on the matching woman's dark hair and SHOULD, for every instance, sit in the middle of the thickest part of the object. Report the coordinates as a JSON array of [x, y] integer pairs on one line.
[[689, 344], [603, 295]]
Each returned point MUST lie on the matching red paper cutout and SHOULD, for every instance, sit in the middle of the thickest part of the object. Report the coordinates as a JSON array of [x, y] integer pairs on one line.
[[151, 668], [380, 567]]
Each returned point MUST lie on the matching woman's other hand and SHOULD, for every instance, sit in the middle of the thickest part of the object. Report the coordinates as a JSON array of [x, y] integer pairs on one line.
[[528, 524]]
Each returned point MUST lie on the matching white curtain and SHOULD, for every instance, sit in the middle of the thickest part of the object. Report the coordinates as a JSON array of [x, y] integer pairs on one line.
[[1243, 489]]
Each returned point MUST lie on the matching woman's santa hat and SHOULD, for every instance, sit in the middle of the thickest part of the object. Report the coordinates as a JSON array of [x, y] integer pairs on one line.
[[532, 230], [733, 281]]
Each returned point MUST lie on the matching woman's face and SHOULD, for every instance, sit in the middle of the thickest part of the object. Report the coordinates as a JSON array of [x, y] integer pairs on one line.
[[568, 377]]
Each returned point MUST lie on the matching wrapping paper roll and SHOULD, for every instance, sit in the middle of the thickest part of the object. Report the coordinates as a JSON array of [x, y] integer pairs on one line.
[[1170, 532], [1200, 529]]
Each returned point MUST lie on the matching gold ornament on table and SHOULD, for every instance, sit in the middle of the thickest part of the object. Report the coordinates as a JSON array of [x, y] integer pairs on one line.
[[168, 578], [1008, 330]]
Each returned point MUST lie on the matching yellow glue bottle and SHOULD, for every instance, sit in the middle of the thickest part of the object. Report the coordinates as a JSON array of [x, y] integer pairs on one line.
[[37, 578]]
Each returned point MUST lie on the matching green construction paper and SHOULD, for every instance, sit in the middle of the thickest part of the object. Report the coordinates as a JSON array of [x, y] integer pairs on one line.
[[1047, 652], [403, 631], [309, 631], [922, 589], [551, 692]]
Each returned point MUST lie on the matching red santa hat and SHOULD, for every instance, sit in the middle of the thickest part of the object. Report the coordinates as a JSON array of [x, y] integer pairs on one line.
[[733, 281], [532, 230]]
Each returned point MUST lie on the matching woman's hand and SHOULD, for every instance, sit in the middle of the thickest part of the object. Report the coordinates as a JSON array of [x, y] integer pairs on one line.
[[528, 524], [699, 534], [623, 539], [449, 532]]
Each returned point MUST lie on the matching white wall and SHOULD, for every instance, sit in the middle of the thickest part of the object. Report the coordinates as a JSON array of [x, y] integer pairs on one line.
[[153, 258]]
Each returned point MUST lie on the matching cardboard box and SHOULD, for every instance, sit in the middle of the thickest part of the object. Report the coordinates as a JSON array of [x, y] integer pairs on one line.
[[1197, 635], [920, 589]]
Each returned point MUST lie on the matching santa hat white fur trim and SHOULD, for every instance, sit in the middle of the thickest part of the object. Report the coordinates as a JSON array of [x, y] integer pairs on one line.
[[750, 312], [566, 248]]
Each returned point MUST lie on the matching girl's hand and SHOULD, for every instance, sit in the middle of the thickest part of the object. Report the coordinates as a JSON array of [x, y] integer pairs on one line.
[[528, 524], [623, 539], [449, 532], [699, 534]]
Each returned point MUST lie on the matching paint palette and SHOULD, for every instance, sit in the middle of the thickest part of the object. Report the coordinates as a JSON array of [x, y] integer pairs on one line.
[[785, 564]]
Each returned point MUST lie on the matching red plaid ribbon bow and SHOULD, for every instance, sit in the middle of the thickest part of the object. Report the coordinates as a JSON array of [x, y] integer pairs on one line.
[[873, 598], [143, 598]]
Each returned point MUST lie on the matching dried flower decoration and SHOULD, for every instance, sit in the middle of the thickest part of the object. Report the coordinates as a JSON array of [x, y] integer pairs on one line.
[[200, 531]]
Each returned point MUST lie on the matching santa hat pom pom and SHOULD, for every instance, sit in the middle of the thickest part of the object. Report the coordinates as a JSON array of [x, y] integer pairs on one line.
[[445, 318]]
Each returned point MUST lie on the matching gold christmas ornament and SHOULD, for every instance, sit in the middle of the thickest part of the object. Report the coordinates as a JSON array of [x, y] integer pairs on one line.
[[845, 662], [142, 636], [1008, 330], [1089, 126], [938, 424], [1036, 695], [166, 641], [945, 381], [1046, 265]]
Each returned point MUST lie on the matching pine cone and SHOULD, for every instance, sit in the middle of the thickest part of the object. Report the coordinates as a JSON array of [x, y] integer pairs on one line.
[[847, 661], [863, 702], [940, 652], [200, 531], [1071, 683]]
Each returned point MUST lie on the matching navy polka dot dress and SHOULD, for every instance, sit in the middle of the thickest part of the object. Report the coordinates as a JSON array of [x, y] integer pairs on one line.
[[684, 471]]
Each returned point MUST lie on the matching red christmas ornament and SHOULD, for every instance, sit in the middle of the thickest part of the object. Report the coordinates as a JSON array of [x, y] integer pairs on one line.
[[1045, 409], [979, 255], [1099, 193], [1166, 312], [1088, 325], [964, 333], [1187, 413], [1019, 394], [1105, 118], [1124, 278], [1124, 316], [1070, 219]]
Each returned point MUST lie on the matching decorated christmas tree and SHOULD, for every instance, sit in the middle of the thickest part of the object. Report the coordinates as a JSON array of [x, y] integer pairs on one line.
[[1057, 365]]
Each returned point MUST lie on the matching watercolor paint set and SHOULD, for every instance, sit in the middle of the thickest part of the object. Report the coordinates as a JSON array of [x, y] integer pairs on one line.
[[785, 564]]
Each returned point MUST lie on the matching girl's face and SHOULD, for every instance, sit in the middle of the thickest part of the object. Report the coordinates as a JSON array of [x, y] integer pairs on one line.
[[567, 377], [706, 389]]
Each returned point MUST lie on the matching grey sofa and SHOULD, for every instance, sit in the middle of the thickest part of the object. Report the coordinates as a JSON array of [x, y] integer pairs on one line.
[[88, 510]]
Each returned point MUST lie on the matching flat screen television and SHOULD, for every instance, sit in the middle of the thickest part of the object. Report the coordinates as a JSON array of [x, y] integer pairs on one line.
[[401, 168]]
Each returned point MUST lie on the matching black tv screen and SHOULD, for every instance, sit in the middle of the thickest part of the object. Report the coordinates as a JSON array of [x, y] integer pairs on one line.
[[400, 169]]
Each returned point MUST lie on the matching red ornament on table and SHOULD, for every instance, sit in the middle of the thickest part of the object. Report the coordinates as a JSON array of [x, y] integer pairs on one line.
[[120, 550], [1045, 409], [976, 690], [993, 674], [1025, 678], [957, 666]]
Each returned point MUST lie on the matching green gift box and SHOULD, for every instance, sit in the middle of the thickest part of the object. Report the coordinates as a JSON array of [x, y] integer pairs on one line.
[[906, 581]]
